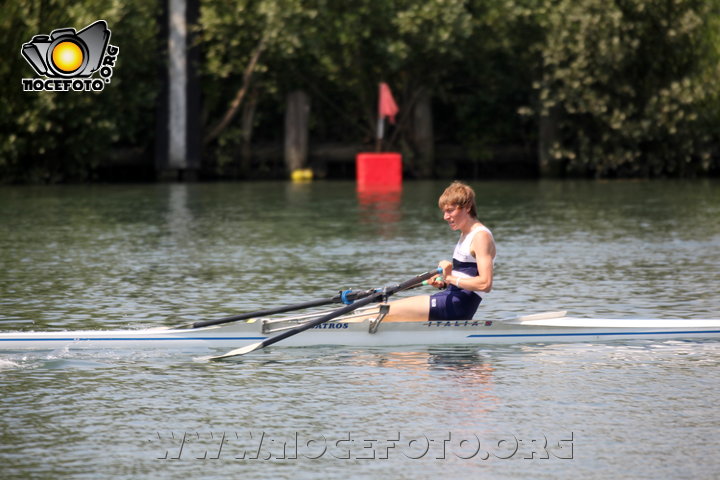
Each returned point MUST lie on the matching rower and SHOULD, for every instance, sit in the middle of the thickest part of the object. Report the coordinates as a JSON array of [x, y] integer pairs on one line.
[[464, 281]]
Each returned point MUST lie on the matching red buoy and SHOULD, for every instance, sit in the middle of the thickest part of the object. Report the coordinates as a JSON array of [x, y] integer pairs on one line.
[[378, 170]]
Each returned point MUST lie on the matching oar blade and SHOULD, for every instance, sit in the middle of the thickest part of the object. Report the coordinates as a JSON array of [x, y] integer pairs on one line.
[[237, 352], [232, 353]]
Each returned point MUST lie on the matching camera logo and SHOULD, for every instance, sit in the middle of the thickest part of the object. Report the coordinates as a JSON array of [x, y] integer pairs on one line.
[[68, 59]]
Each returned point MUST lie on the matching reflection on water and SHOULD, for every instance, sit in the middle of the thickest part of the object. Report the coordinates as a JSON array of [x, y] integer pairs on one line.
[[463, 359], [179, 217], [473, 374], [381, 209]]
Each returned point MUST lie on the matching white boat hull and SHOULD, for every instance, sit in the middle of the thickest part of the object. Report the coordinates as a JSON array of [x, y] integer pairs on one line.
[[543, 328]]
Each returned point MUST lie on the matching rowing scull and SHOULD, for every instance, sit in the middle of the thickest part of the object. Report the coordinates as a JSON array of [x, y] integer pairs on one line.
[[540, 328]]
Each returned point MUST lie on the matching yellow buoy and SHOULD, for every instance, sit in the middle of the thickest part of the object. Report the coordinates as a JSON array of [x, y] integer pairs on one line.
[[302, 175]]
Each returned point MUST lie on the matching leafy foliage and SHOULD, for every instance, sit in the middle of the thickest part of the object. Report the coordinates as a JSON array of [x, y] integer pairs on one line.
[[634, 85], [65, 136], [629, 86]]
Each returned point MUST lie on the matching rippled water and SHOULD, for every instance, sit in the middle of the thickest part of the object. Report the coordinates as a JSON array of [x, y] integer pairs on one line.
[[117, 256]]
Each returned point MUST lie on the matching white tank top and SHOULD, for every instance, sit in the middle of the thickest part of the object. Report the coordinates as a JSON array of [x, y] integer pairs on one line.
[[464, 264]]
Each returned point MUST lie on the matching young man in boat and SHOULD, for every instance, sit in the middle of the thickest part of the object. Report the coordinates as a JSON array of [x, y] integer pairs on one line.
[[467, 277]]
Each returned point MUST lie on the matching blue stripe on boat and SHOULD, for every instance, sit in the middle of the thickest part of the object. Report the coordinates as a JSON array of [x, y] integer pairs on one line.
[[582, 334]]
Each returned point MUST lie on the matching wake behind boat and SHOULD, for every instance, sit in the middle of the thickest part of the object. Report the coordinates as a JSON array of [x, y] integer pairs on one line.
[[356, 329]]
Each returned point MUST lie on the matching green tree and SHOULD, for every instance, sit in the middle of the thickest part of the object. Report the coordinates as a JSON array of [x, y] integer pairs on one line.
[[239, 41], [485, 86], [629, 87], [409, 44], [65, 136], [337, 51]]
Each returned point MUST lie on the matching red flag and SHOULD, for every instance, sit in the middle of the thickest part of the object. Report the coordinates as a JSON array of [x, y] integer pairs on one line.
[[386, 103]]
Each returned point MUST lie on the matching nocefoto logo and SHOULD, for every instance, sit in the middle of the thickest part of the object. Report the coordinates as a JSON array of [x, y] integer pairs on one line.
[[68, 59]]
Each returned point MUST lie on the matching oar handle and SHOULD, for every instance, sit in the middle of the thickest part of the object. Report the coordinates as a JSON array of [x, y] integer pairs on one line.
[[414, 281]]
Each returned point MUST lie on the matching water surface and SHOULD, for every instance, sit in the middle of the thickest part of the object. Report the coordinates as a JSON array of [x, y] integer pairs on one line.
[[148, 255]]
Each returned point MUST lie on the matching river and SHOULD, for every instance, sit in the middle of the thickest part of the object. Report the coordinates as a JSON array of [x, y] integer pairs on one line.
[[116, 256]]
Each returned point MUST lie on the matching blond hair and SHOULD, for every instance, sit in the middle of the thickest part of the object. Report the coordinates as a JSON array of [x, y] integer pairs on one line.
[[460, 195]]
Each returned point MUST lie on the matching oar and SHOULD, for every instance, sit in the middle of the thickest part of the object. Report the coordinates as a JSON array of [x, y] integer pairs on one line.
[[384, 293], [346, 296]]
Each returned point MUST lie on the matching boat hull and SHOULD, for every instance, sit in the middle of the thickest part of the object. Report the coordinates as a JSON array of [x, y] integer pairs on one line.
[[521, 330]]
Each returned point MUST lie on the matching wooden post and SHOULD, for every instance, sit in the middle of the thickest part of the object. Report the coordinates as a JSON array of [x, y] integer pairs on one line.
[[297, 115], [177, 75], [179, 140], [423, 133], [547, 137], [247, 117]]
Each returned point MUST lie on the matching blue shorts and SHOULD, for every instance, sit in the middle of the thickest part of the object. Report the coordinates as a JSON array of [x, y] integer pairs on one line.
[[454, 304]]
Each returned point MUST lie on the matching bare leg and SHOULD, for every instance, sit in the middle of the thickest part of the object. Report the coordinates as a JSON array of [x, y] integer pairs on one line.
[[411, 309]]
